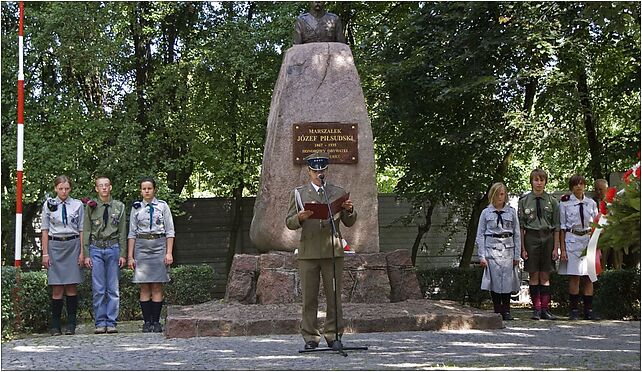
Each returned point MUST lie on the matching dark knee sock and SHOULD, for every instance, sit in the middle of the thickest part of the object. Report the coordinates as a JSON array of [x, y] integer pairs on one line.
[[535, 292], [497, 301], [506, 302], [573, 300], [545, 296], [156, 311], [588, 303], [72, 308], [56, 311], [146, 308]]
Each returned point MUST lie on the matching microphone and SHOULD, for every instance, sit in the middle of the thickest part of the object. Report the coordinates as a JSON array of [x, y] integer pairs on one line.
[[322, 177]]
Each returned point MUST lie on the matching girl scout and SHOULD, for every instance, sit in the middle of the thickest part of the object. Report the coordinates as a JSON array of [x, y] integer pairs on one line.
[[62, 225], [498, 243], [576, 214], [150, 245]]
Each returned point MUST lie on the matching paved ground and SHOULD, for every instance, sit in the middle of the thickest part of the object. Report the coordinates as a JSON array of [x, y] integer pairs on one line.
[[523, 344]]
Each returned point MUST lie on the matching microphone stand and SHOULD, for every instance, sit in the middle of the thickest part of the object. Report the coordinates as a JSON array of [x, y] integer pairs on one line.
[[337, 345]]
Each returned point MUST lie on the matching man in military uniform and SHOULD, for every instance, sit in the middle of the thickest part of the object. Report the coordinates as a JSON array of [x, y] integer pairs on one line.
[[318, 26], [104, 243], [315, 253], [539, 219]]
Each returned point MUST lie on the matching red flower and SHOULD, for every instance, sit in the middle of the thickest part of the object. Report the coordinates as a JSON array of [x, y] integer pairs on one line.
[[637, 172], [626, 176], [610, 194], [603, 209], [89, 202]]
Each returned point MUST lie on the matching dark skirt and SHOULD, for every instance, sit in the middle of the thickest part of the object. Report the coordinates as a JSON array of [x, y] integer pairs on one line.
[[150, 261], [63, 258]]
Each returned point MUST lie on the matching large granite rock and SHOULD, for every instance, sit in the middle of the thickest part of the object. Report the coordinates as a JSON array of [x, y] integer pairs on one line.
[[272, 278], [318, 82]]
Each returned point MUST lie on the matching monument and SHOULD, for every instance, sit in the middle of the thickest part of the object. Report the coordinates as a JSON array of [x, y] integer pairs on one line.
[[317, 105]]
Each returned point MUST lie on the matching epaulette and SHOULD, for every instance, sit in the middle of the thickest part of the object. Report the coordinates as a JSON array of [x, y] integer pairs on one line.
[[136, 204], [565, 197], [53, 206]]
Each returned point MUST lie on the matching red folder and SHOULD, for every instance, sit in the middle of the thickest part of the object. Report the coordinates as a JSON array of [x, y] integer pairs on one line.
[[321, 210]]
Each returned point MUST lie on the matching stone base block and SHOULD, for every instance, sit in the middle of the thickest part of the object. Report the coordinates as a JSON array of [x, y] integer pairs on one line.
[[217, 318], [272, 278]]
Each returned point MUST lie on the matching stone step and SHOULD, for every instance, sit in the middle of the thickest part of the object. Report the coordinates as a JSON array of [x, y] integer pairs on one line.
[[216, 318]]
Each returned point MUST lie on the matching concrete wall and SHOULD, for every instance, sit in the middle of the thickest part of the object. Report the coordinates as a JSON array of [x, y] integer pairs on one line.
[[203, 234]]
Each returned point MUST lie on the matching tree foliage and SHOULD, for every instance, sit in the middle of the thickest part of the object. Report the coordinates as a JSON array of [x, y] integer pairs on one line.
[[460, 95]]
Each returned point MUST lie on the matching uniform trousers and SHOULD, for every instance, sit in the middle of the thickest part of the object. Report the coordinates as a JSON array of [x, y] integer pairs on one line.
[[104, 284], [309, 271]]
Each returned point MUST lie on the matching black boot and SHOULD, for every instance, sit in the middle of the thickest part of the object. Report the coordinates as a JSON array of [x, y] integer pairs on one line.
[[146, 308], [157, 307], [506, 307], [497, 302], [56, 312], [72, 308], [573, 301], [589, 314]]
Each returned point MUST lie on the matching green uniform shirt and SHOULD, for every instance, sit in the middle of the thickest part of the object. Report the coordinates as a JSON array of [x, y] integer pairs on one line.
[[95, 228], [527, 212]]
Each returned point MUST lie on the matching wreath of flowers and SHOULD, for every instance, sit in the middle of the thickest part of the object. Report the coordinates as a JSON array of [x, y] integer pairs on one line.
[[621, 211]]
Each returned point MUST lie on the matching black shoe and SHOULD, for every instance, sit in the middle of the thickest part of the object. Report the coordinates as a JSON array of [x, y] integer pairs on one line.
[[507, 316], [547, 315], [157, 328], [55, 332], [590, 315], [311, 345], [147, 327], [537, 314], [70, 330], [575, 315]]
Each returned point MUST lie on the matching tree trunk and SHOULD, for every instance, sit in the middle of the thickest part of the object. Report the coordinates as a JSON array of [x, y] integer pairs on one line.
[[589, 125], [235, 230], [421, 230], [500, 175], [142, 54]]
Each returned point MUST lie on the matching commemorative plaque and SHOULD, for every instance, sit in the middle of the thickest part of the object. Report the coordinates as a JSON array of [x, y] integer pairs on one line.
[[339, 140]]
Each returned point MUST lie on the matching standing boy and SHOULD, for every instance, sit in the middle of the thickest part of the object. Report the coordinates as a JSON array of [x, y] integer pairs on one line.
[[104, 244], [539, 219]]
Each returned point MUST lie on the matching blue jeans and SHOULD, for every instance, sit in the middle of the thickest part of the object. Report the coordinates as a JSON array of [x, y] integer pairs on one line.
[[104, 283]]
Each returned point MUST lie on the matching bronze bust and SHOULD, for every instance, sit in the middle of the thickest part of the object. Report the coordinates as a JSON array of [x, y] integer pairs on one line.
[[318, 26]]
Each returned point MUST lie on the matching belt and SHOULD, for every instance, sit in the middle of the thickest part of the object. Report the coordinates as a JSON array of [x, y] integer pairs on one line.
[[578, 232], [504, 235], [103, 243], [540, 231], [149, 236], [63, 238]]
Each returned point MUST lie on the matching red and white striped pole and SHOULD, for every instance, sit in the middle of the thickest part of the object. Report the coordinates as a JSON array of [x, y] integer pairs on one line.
[[20, 146]]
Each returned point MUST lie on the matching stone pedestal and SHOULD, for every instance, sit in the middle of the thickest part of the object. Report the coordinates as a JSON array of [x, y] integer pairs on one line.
[[318, 83], [272, 278]]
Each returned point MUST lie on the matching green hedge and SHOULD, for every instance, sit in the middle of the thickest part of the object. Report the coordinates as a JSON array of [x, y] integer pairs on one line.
[[617, 292], [461, 285], [190, 284]]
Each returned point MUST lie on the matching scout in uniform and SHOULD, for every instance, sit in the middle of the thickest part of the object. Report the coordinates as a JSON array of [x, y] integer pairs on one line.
[[62, 256], [498, 242], [539, 217], [104, 244], [150, 245], [315, 252], [576, 214]]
